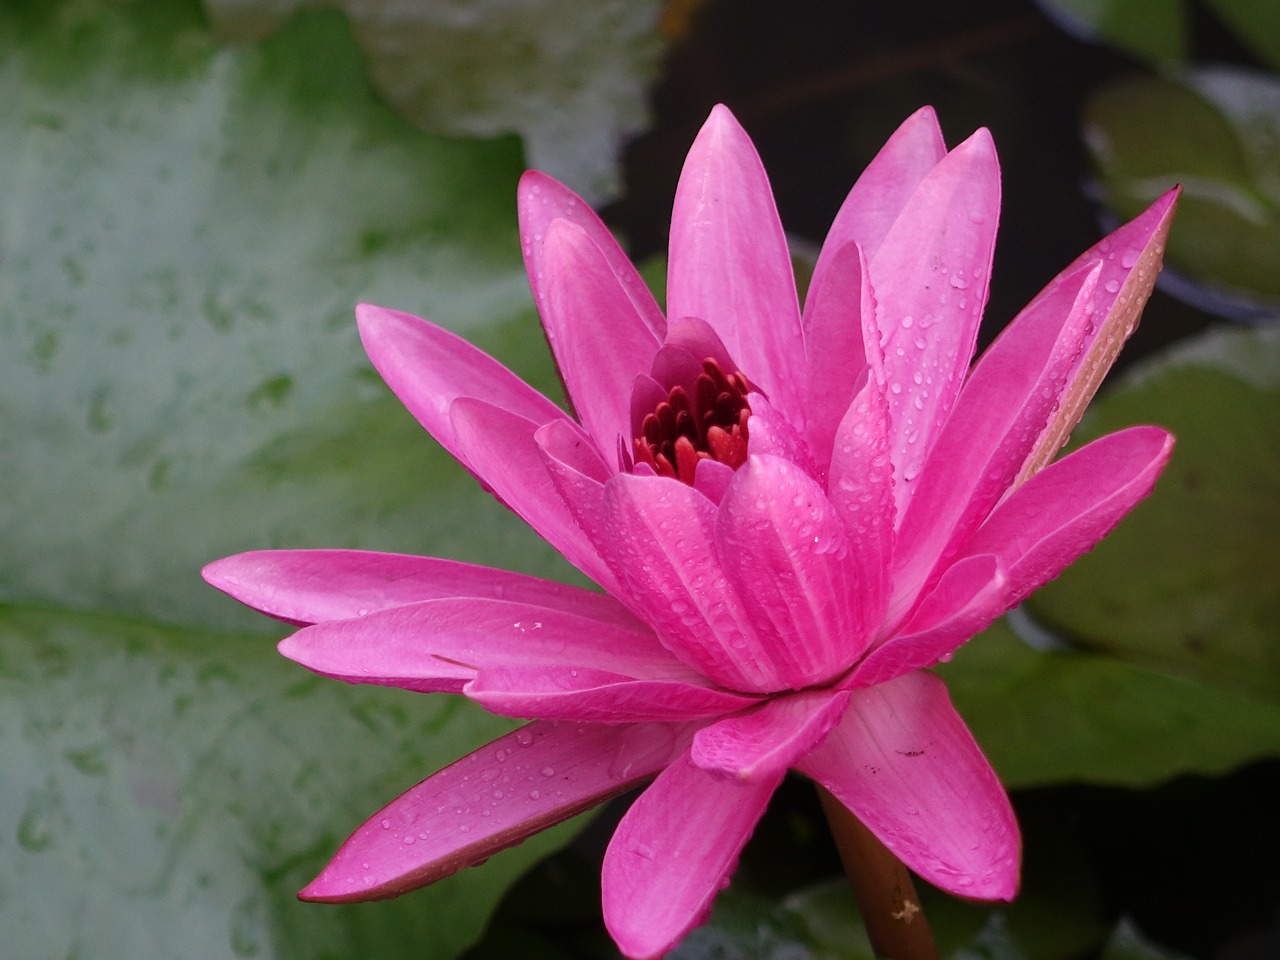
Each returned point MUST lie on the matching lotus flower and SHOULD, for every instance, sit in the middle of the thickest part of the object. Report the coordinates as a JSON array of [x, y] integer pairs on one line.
[[792, 514]]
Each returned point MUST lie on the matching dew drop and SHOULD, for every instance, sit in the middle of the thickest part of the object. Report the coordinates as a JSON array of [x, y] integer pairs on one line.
[[1112, 286]]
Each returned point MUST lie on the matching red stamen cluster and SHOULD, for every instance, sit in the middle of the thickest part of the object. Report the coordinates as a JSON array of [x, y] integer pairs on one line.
[[712, 425]]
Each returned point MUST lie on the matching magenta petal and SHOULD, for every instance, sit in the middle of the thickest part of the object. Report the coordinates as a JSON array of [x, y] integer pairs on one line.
[[596, 696], [428, 368], [729, 263], [762, 743], [930, 280], [966, 600], [904, 763], [1070, 505], [527, 781], [502, 450], [599, 341], [786, 552], [312, 586], [773, 435], [439, 644], [673, 852], [541, 200]]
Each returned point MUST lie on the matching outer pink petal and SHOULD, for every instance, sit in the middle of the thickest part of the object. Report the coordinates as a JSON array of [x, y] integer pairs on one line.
[[729, 263], [525, 782], [1001, 410], [439, 644], [596, 696], [599, 341], [1070, 505], [762, 743], [930, 280], [786, 552], [501, 448], [656, 538], [966, 600], [428, 368], [672, 853], [542, 200], [904, 763], [312, 586]]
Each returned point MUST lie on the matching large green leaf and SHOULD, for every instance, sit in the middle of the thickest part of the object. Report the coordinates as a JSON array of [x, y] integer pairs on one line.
[[166, 792]]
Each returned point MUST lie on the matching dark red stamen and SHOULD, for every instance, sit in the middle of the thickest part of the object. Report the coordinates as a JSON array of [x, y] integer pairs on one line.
[[712, 425]]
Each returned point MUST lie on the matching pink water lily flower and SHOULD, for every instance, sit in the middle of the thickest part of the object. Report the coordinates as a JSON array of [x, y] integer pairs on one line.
[[792, 514]]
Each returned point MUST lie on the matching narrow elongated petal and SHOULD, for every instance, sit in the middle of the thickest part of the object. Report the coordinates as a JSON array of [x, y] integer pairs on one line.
[[596, 696], [541, 200], [729, 263], [1001, 410], [501, 447], [773, 435], [439, 644], [661, 872], [904, 763], [762, 743], [527, 781], [313, 586], [930, 280], [1070, 505], [599, 341], [785, 550], [428, 368]]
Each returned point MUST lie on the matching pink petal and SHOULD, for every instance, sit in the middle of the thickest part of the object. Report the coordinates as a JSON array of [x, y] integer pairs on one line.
[[501, 448], [966, 600], [1070, 505], [673, 852], [786, 552], [599, 341], [729, 263], [711, 478], [904, 763], [312, 586], [772, 434], [657, 539], [1130, 259], [596, 696], [520, 784], [428, 368], [1001, 410], [439, 644], [542, 200], [930, 281], [761, 744]]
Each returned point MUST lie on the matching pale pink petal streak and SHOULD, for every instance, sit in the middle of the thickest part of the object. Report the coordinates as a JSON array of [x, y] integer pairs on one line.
[[904, 763], [763, 742]]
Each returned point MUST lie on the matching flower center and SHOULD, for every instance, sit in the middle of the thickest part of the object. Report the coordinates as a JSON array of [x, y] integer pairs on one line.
[[710, 425]]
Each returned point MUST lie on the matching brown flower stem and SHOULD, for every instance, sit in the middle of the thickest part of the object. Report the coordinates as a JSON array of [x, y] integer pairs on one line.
[[882, 886]]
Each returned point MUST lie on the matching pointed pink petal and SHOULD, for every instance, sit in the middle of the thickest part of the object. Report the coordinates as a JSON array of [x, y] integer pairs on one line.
[[578, 474], [786, 552], [1131, 258], [588, 695], [878, 198], [711, 478], [761, 744], [930, 281], [1001, 410], [312, 586], [439, 644], [599, 341], [772, 434], [1070, 505], [428, 368], [541, 200], [729, 262], [673, 852], [904, 763], [966, 600], [501, 448], [520, 784], [657, 539]]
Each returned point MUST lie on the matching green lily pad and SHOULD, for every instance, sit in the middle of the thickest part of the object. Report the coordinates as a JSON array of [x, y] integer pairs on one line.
[[1151, 30], [167, 792], [184, 232], [1190, 581]]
